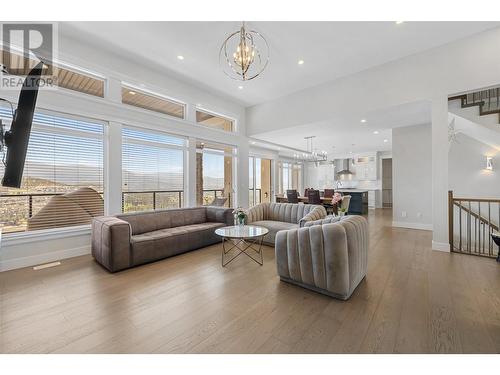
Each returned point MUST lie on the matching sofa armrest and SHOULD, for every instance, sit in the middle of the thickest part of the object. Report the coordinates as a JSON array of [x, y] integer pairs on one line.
[[317, 213], [111, 243], [327, 220], [220, 215]]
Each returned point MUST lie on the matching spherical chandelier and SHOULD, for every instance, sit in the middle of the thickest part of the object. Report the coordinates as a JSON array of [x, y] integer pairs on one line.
[[244, 54]]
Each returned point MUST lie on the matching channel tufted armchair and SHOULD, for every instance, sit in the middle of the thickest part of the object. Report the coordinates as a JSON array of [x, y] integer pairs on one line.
[[281, 216], [328, 256]]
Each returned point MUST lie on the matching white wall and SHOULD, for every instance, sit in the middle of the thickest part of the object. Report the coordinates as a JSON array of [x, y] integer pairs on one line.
[[432, 75], [460, 66], [467, 175], [411, 176], [26, 249]]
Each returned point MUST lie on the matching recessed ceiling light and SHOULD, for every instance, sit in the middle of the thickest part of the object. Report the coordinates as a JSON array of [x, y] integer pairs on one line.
[[180, 57], [386, 140], [253, 143], [399, 22], [131, 92], [350, 152], [300, 62], [363, 120], [240, 87], [375, 132]]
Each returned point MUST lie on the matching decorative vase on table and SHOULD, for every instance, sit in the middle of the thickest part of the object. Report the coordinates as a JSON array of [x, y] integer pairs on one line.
[[239, 216], [241, 220]]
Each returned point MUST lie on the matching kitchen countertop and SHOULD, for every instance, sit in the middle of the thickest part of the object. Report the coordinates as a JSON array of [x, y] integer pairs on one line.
[[352, 190]]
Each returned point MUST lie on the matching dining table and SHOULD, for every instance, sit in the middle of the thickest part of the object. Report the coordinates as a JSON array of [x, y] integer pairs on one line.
[[325, 201]]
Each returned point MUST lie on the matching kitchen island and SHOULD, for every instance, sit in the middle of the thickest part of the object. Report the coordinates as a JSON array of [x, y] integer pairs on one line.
[[359, 200]]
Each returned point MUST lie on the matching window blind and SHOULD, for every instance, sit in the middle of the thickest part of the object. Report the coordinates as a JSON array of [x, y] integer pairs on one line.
[[152, 170], [62, 182]]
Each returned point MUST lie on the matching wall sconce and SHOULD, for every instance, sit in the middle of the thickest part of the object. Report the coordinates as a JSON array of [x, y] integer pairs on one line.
[[489, 163]]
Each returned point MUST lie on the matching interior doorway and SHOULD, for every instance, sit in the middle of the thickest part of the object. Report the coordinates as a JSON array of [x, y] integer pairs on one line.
[[387, 183]]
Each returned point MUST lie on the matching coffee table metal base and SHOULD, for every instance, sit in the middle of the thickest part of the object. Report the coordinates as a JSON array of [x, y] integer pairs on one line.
[[242, 246]]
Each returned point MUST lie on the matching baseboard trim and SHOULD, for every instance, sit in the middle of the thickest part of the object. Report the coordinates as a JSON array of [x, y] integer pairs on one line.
[[418, 226], [441, 246], [33, 260]]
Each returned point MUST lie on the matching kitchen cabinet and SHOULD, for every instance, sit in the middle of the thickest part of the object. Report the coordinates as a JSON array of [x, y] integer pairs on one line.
[[359, 201], [366, 167], [371, 199]]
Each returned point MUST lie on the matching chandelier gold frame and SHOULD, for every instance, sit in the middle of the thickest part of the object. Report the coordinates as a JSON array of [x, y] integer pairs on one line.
[[249, 60]]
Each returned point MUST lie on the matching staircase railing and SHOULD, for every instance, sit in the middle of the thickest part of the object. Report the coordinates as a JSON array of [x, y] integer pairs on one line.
[[471, 223], [487, 100]]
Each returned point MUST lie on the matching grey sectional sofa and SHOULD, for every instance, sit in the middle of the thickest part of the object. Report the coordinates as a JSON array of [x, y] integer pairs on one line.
[[328, 256], [127, 240], [281, 216]]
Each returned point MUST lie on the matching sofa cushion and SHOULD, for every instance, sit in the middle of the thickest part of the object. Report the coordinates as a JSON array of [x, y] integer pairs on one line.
[[285, 212], [167, 242], [273, 227], [144, 222], [288, 212]]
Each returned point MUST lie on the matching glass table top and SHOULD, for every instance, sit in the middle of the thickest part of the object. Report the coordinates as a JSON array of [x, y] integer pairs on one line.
[[242, 231]]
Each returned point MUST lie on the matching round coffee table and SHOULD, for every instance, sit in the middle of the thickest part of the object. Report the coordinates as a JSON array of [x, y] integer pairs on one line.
[[242, 238]]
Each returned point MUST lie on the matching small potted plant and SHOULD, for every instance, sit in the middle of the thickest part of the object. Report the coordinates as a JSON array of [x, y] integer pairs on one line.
[[342, 211], [239, 216]]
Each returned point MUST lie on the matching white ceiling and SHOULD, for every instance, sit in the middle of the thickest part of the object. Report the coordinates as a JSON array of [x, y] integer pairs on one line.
[[343, 135], [330, 49]]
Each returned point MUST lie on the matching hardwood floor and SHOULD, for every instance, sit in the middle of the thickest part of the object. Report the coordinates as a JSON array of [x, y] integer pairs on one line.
[[414, 300]]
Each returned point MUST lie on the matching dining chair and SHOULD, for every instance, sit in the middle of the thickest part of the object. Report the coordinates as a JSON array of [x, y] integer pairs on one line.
[[346, 199], [329, 193], [306, 191], [292, 196], [219, 201], [313, 197]]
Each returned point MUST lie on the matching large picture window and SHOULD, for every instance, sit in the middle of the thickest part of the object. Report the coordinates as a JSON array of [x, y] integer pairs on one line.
[[290, 175], [214, 174], [214, 121], [152, 102], [152, 170], [68, 78], [62, 183]]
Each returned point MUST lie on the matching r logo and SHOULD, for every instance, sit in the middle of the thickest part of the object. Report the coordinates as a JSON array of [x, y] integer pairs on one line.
[[25, 42]]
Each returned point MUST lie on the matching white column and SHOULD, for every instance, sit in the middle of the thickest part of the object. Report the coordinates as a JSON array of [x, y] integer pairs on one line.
[[440, 173], [191, 112], [242, 175], [113, 169], [114, 90], [190, 174]]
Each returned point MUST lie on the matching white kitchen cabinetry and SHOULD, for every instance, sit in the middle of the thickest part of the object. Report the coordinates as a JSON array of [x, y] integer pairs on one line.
[[371, 199], [366, 167]]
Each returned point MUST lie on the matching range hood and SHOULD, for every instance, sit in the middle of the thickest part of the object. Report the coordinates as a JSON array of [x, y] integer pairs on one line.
[[344, 167]]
